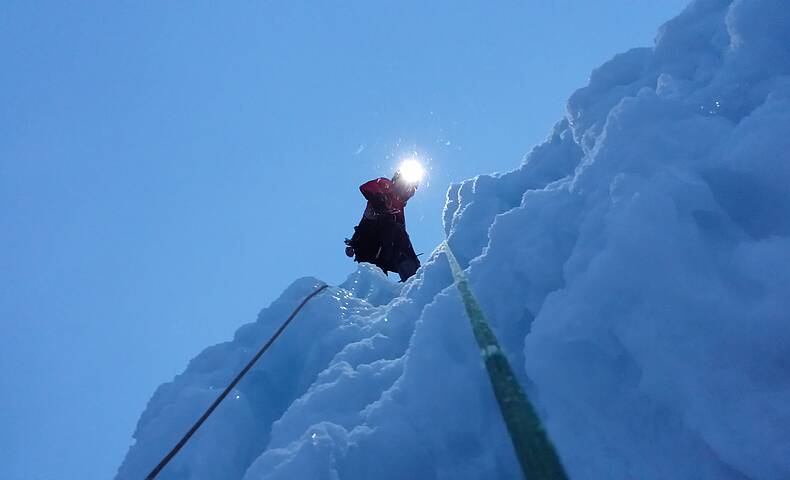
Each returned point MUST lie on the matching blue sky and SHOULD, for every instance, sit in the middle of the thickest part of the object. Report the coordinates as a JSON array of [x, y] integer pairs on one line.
[[166, 169]]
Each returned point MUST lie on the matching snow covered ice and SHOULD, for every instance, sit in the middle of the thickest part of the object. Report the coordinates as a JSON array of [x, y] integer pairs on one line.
[[634, 267]]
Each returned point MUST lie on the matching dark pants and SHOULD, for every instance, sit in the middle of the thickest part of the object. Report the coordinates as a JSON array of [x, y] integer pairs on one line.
[[385, 243]]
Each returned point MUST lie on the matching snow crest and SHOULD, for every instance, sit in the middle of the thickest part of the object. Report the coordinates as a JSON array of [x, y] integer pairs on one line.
[[634, 268]]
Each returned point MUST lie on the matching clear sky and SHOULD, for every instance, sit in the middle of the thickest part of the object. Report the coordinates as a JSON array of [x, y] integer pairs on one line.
[[166, 169]]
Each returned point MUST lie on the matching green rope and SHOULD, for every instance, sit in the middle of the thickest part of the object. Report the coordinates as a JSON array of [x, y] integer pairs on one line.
[[535, 452]]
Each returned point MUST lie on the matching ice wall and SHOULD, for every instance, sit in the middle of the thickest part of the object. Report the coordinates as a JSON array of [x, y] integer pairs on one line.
[[635, 267]]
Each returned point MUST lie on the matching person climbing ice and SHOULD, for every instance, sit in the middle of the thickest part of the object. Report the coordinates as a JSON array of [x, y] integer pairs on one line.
[[381, 237]]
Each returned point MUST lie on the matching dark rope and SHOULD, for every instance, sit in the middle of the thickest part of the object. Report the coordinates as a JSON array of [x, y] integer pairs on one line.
[[230, 387]]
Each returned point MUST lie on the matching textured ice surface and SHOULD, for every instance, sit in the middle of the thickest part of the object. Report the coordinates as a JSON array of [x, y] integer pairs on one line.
[[635, 268]]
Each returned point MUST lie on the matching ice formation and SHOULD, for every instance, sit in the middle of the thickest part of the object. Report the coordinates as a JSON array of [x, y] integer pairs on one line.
[[635, 268]]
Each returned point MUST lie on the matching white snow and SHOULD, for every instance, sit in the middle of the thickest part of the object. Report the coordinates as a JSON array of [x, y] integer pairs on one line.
[[635, 269]]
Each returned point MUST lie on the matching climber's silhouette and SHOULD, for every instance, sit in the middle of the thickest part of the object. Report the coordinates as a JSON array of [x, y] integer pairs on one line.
[[381, 238]]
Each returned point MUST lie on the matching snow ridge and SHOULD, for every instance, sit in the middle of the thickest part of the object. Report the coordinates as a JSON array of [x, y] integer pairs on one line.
[[634, 268]]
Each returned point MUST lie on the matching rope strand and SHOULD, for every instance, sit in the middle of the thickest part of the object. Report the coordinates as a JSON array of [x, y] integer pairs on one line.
[[230, 387], [534, 450]]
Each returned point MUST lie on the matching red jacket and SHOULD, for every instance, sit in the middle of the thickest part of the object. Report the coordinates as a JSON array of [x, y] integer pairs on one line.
[[384, 199]]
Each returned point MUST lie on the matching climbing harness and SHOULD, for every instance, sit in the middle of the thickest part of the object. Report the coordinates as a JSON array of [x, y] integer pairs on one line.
[[231, 386], [535, 452]]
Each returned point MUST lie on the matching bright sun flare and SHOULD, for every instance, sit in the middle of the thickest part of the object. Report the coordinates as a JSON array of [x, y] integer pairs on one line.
[[411, 171]]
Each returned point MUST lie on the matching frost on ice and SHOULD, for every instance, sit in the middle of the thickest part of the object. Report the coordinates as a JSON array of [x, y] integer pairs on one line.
[[635, 269]]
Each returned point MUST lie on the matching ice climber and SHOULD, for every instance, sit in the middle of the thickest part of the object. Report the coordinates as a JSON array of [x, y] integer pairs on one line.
[[381, 238]]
